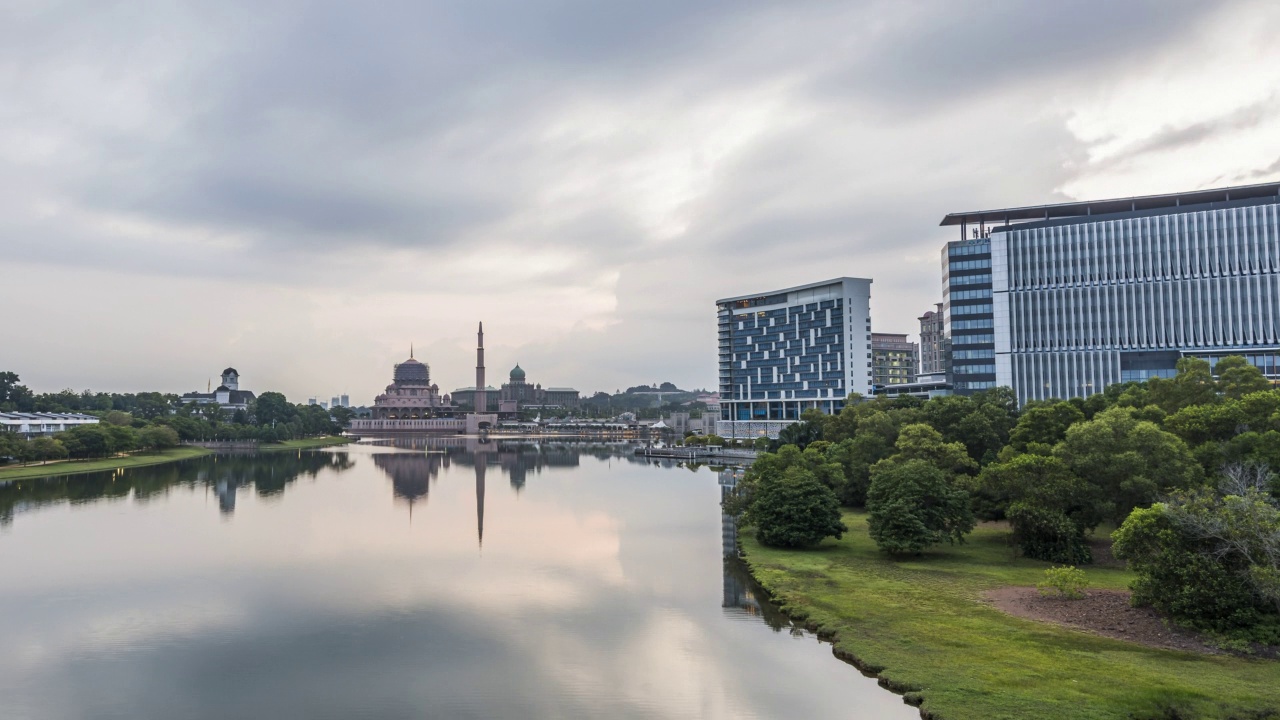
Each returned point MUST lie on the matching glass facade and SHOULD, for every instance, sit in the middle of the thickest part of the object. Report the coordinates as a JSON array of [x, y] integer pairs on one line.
[[967, 292], [787, 351], [1084, 303]]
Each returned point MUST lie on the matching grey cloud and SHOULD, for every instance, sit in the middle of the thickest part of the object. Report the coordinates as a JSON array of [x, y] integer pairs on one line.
[[1170, 139]]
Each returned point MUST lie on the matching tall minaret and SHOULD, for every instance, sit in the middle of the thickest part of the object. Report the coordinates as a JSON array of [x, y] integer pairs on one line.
[[482, 462], [481, 405]]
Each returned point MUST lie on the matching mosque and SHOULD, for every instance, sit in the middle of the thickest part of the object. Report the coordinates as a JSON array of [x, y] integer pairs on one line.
[[412, 403], [411, 396]]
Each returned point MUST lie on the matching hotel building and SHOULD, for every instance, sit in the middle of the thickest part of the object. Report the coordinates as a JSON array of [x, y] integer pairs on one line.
[[785, 351], [1064, 300]]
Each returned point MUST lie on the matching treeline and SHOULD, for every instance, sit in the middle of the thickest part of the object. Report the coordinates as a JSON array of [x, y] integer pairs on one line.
[[1184, 467], [153, 421]]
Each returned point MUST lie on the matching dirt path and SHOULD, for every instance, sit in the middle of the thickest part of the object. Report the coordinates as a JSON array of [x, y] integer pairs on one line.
[[1102, 612]]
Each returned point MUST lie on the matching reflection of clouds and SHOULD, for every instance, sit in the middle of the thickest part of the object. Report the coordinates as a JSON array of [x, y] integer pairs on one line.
[[112, 632]]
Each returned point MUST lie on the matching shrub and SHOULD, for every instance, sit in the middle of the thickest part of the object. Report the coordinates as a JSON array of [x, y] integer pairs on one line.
[[1046, 534], [1064, 582], [1206, 560], [912, 504]]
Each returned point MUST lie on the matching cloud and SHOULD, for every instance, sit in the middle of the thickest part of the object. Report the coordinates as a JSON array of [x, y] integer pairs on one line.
[[585, 178]]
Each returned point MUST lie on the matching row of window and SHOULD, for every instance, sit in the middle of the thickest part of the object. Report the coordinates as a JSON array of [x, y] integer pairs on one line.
[[978, 309], [969, 264], [974, 369], [974, 248], [980, 279], [973, 294], [971, 324], [977, 339], [973, 354]]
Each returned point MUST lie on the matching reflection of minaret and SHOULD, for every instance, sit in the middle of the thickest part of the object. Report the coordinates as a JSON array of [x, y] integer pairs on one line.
[[481, 463], [481, 404]]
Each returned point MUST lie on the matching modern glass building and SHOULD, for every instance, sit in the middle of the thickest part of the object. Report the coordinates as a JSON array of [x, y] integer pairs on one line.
[[1093, 293], [785, 351], [968, 316], [894, 360]]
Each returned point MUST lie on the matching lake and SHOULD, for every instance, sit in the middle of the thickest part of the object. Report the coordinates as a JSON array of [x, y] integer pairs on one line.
[[444, 578]]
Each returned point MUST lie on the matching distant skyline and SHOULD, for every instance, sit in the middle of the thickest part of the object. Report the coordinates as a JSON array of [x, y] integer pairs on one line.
[[302, 190]]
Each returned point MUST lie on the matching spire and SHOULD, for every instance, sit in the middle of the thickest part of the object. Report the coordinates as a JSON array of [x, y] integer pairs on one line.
[[410, 351]]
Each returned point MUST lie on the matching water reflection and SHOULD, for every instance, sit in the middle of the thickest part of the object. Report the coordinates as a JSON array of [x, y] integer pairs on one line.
[[605, 588], [267, 473]]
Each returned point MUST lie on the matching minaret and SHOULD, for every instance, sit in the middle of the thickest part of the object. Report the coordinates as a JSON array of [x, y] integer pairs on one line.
[[481, 405]]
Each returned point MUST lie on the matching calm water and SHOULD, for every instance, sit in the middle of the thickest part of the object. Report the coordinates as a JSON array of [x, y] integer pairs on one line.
[[498, 580]]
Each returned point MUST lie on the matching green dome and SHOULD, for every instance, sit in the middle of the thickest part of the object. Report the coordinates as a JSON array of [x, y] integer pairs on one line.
[[517, 373]]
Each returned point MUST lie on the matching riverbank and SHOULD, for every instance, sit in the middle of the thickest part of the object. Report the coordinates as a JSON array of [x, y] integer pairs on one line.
[[141, 459], [307, 443], [75, 467], [923, 626]]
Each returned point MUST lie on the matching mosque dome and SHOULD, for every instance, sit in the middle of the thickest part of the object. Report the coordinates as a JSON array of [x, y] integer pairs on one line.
[[412, 372], [517, 373]]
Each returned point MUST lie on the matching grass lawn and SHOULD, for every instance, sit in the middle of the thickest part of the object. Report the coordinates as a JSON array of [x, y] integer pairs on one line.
[[921, 623], [308, 443], [73, 467]]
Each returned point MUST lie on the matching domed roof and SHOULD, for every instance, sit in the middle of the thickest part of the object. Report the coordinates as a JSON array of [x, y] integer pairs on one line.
[[223, 388], [412, 372], [517, 373], [230, 371]]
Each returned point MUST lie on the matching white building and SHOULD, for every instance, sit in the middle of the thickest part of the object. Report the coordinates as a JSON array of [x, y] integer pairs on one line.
[[786, 351], [228, 395], [31, 425]]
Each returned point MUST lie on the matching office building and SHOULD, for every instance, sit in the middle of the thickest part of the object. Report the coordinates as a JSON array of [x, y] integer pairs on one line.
[[1087, 294], [785, 351], [894, 359], [934, 345], [967, 314]]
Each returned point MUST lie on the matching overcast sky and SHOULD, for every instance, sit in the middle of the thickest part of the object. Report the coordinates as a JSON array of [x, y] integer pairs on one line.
[[303, 189]]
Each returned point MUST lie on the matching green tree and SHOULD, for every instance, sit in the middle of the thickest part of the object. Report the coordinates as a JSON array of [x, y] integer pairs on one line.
[[800, 434], [271, 408], [1193, 385], [1129, 462], [158, 437], [87, 441], [1045, 424], [913, 505], [922, 442], [45, 449], [795, 510], [1237, 377]]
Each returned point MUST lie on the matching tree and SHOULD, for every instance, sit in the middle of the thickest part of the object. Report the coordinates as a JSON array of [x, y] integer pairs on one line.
[[922, 442], [115, 417], [800, 434], [86, 441], [795, 510], [271, 408], [158, 437], [1237, 377], [45, 449], [913, 505], [1129, 462], [1193, 385], [1044, 424]]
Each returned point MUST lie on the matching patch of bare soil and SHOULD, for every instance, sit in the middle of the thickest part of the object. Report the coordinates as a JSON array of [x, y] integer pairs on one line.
[[1102, 612]]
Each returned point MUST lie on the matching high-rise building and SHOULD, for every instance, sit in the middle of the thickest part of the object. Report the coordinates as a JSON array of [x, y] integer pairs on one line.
[[1087, 294], [894, 359], [968, 320], [785, 351], [933, 342], [346, 401]]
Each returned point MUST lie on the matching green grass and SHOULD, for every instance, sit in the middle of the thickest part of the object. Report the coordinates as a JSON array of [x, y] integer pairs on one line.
[[307, 443], [75, 467], [921, 624]]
